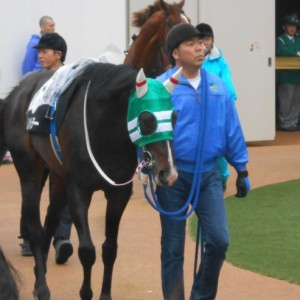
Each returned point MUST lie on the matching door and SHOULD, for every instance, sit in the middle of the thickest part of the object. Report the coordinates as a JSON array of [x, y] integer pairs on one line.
[[245, 31]]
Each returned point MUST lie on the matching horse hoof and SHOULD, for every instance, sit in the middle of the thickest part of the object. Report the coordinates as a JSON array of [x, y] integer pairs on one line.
[[36, 297], [105, 297]]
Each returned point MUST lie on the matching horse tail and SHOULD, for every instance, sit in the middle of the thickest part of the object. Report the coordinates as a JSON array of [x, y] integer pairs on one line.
[[10, 279], [3, 146]]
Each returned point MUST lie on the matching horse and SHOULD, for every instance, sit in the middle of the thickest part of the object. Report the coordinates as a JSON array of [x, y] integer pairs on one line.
[[147, 51], [99, 152]]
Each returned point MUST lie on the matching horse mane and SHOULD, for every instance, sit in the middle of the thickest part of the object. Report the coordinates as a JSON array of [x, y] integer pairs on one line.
[[140, 17], [113, 81]]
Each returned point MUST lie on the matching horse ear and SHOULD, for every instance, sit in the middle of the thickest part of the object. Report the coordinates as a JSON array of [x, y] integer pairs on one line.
[[141, 85], [172, 81], [181, 3], [163, 5]]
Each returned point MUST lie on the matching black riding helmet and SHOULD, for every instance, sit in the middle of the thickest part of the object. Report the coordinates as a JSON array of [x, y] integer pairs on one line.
[[178, 34], [205, 30], [53, 41]]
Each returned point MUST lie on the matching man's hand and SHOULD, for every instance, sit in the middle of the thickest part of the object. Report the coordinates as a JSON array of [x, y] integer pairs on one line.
[[242, 184]]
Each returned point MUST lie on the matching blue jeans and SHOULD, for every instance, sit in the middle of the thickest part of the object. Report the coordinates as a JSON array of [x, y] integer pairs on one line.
[[212, 217]]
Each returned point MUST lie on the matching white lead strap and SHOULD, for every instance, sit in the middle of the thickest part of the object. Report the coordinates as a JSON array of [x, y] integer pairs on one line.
[[90, 150]]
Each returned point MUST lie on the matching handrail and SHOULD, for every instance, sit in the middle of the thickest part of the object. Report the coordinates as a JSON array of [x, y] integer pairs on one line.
[[287, 63]]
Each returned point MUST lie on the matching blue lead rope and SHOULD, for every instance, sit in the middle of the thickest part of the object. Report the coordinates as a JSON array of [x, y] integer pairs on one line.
[[175, 215]]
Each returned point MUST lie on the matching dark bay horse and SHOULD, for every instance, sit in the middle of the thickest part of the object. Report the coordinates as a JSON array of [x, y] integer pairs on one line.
[[93, 135], [147, 50]]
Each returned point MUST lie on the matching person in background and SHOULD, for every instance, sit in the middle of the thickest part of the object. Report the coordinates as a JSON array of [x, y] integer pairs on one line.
[[200, 98], [288, 81], [52, 50], [31, 60], [215, 63]]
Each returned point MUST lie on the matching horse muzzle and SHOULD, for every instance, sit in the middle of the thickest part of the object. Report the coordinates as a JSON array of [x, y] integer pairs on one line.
[[166, 177]]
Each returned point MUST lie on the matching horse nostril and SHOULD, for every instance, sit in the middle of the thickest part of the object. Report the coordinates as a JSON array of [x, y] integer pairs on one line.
[[162, 177]]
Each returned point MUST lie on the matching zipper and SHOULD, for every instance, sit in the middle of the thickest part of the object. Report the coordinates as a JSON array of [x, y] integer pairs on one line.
[[198, 96]]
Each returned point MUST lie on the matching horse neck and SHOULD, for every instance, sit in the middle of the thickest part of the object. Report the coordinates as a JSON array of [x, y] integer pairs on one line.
[[146, 51]]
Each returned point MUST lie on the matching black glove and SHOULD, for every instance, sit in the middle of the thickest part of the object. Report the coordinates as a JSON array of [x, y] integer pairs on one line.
[[242, 184]]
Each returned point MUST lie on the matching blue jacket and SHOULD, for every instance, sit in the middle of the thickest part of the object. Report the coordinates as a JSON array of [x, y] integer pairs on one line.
[[31, 59], [208, 109], [216, 64]]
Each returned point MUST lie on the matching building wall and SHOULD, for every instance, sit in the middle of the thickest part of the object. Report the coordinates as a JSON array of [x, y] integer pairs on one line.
[[88, 27]]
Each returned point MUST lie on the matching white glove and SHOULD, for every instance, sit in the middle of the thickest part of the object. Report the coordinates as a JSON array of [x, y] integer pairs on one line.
[[298, 53]]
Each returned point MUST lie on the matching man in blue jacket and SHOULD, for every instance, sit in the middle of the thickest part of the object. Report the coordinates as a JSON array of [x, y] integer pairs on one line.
[[31, 59], [207, 127]]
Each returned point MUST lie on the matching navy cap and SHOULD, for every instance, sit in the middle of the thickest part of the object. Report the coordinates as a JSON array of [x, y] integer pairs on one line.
[[53, 41]]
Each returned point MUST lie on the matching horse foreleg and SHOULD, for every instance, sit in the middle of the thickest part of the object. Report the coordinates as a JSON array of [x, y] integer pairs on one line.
[[79, 202], [117, 200]]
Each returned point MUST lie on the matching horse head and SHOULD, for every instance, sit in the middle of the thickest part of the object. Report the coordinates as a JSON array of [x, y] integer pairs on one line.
[[148, 50], [151, 118], [179, 16]]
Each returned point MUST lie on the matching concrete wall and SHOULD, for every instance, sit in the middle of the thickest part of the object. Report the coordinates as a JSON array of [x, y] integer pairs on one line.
[[88, 27]]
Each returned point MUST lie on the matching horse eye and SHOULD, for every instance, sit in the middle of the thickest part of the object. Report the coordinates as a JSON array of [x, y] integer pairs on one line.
[[174, 118], [147, 123]]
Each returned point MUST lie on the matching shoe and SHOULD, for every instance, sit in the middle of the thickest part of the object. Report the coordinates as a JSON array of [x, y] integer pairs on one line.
[[64, 250], [25, 249], [7, 159], [287, 129]]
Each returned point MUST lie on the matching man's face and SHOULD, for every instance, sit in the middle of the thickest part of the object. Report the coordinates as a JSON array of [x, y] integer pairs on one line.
[[48, 27], [290, 29], [190, 53], [50, 59], [208, 43]]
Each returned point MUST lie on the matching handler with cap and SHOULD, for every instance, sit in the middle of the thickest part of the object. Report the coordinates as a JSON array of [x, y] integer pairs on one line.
[[52, 51], [207, 127], [288, 81]]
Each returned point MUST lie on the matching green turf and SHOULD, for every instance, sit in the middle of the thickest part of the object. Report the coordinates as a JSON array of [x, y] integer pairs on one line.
[[265, 231]]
